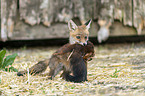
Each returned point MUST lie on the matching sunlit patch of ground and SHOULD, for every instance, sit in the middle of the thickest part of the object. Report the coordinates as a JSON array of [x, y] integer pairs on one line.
[[116, 69]]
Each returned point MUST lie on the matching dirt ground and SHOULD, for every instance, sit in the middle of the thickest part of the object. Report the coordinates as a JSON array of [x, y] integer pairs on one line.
[[116, 70]]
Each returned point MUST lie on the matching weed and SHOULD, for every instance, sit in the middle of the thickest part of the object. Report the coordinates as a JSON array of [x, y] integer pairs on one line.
[[24, 48], [6, 62], [115, 73]]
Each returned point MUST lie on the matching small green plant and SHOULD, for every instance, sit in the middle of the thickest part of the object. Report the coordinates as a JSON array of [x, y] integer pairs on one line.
[[6, 62], [31, 92], [115, 74], [24, 48]]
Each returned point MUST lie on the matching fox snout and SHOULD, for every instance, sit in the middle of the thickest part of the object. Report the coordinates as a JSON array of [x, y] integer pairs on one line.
[[84, 44]]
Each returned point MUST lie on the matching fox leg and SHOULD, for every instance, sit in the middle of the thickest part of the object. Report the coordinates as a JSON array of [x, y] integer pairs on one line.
[[54, 71], [55, 67], [65, 73], [36, 69]]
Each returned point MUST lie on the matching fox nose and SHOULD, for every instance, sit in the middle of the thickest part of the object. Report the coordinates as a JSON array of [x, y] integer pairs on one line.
[[84, 44]]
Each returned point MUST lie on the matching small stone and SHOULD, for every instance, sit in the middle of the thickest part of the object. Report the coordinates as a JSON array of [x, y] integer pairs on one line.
[[134, 87]]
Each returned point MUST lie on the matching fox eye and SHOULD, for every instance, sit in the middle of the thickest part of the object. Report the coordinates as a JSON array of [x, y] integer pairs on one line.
[[78, 37], [85, 37]]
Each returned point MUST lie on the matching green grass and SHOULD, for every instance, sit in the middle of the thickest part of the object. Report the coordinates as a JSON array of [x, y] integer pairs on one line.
[[115, 73]]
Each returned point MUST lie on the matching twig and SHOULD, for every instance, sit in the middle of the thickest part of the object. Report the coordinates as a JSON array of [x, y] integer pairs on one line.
[[28, 75], [70, 55]]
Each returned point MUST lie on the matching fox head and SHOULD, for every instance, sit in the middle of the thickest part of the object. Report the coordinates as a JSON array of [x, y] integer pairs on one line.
[[79, 34]]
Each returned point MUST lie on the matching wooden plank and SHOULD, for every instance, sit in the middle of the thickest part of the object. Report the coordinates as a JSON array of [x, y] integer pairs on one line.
[[84, 9], [105, 19], [3, 20], [63, 11], [139, 15], [128, 15], [96, 9], [106, 11], [123, 11], [60, 30], [30, 11], [8, 10], [118, 10], [46, 12], [24, 31], [118, 29], [11, 9]]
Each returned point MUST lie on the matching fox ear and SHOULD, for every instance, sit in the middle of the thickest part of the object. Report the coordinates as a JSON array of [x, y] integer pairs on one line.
[[72, 25], [88, 24]]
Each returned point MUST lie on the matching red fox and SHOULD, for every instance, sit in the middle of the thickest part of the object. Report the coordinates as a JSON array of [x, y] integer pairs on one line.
[[71, 58]]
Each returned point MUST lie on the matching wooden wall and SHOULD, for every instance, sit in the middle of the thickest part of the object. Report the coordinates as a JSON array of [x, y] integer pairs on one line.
[[36, 19]]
